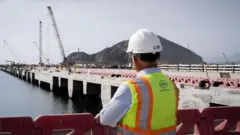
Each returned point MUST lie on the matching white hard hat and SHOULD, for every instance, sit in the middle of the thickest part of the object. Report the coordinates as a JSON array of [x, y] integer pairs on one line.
[[144, 41]]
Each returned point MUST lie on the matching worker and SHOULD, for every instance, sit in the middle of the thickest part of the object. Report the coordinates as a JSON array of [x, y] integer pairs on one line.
[[75, 67], [146, 105]]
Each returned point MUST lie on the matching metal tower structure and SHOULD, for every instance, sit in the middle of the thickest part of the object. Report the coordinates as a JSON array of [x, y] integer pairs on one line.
[[40, 43], [62, 52]]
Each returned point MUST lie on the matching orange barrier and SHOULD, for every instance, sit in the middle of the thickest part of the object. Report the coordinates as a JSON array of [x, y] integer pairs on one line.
[[80, 123], [201, 123], [16, 125], [103, 130], [187, 119], [230, 115], [193, 81]]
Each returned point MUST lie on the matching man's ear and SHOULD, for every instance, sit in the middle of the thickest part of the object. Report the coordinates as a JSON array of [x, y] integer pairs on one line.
[[135, 60]]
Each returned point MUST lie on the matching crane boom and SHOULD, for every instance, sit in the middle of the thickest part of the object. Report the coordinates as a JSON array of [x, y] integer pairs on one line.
[[5, 42], [57, 34], [225, 57], [40, 43], [42, 53]]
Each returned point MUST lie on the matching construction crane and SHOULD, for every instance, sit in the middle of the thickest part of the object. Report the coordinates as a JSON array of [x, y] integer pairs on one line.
[[42, 53], [225, 58], [62, 52], [5, 43], [40, 43]]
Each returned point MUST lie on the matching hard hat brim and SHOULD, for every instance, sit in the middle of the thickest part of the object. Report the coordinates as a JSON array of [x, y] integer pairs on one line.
[[128, 50]]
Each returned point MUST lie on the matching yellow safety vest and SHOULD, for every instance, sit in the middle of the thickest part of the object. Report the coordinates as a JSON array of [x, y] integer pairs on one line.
[[153, 108]]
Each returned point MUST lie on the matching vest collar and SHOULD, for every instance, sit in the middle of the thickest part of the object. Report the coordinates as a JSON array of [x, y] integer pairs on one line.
[[148, 71]]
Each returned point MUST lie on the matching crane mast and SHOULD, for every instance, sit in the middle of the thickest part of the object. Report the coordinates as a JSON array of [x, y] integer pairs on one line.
[[40, 43], [57, 35]]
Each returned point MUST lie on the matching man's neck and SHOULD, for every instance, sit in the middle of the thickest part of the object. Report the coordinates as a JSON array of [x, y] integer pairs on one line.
[[148, 66]]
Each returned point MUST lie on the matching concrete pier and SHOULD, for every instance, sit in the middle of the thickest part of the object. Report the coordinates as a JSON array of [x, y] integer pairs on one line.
[[80, 85]]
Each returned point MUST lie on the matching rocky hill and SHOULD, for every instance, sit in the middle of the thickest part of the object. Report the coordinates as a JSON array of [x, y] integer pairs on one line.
[[172, 53]]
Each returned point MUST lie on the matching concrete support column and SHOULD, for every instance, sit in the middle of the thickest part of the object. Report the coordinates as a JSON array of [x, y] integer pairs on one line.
[[34, 81], [55, 83], [84, 87], [22, 74], [59, 81], [28, 76], [51, 83], [70, 87], [105, 94]]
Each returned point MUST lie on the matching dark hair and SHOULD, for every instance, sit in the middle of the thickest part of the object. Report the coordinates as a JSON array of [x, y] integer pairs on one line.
[[148, 57]]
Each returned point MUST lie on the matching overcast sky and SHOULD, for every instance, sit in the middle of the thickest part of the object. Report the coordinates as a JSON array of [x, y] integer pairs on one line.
[[209, 27]]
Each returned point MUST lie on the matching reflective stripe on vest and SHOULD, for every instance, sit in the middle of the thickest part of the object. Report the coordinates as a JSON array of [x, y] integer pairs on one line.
[[122, 131], [153, 108]]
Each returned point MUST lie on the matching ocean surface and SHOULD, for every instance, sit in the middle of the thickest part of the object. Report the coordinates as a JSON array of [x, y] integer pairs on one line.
[[20, 98]]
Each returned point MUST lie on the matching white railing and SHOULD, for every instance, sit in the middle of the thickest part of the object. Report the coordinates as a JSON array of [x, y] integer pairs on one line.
[[201, 68]]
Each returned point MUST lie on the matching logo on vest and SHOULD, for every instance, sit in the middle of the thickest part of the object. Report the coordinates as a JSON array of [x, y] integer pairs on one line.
[[163, 85]]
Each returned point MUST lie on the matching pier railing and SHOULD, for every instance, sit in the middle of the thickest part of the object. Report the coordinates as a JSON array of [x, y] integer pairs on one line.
[[233, 68], [201, 68]]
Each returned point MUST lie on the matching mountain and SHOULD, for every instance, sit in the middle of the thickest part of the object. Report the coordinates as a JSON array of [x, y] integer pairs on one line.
[[172, 53], [79, 56]]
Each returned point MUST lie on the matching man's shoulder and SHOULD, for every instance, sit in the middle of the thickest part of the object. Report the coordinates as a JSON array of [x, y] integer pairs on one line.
[[128, 84], [136, 80], [122, 91], [124, 84]]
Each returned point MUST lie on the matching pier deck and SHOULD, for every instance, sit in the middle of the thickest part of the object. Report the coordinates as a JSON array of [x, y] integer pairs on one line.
[[76, 84]]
